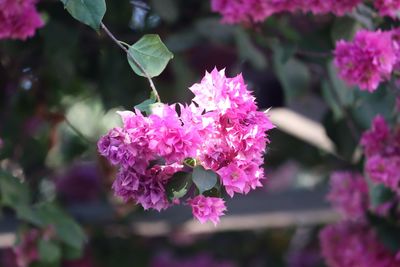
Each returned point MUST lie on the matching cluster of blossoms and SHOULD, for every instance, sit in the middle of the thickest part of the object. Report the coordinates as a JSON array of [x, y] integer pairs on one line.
[[369, 59], [221, 131], [19, 19], [235, 11], [349, 194], [353, 242], [382, 150]]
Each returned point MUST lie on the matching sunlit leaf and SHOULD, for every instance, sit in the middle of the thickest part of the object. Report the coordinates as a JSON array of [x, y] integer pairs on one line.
[[151, 53]]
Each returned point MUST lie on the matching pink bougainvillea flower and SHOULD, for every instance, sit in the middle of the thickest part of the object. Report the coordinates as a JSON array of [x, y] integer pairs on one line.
[[366, 61], [19, 19], [207, 208], [354, 244], [388, 7], [382, 149], [222, 130], [349, 194], [236, 11]]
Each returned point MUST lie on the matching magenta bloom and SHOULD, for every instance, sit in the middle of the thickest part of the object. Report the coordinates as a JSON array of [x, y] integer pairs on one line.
[[382, 149], [349, 194], [366, 61], [354, 244], [236, 11], [221, 130], [26, 251], [375, 140], [207, 208], [18, 19], [388, 7], [237, 135]]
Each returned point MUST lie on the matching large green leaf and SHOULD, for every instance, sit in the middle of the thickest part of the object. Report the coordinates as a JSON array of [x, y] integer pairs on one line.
[[89, 12], [151, 53], [204, 179]]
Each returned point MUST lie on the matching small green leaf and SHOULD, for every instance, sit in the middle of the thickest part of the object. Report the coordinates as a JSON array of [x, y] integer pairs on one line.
[[89, 12], [151, 53], [204, 179], [145, 106], [178, 186], [49, 251], [381, 194], [13, 192]]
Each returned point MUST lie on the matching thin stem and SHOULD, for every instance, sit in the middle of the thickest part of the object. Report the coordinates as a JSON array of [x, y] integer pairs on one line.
[[76, 131], [140, 67]]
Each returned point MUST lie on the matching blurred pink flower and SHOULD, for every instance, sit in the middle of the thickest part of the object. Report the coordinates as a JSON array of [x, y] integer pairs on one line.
[[207, 208], [18, 19], [349, 194]]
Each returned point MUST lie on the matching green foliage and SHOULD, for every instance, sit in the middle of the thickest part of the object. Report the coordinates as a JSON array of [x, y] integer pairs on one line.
[[292, 73], [145, 106], [151, 53], [380, 194], [388, 231], [49, 251], [13, 192], [204, 179], [89, 12], [179, 185]]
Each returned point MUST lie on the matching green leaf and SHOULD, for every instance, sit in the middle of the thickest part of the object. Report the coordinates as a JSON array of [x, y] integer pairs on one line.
[[344, 28], [151, 53], [388, 232], [178, 186], [13, 192], [380, 194], [89, 12], [248, 51], [71, 253], [368, 105], [204, 179], [293, 74], [145, 106], [49, 251], [66, 228]]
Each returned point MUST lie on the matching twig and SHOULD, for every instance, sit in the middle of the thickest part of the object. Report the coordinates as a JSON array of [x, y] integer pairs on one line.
[[140, 67]]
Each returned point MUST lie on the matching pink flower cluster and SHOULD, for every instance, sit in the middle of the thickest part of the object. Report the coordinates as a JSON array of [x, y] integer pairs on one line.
[[382, 150], [368, 60], [19, 19], [235, 11], [207, 208], [221, 130], [354, 244], [349, 194], [388, 7]]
